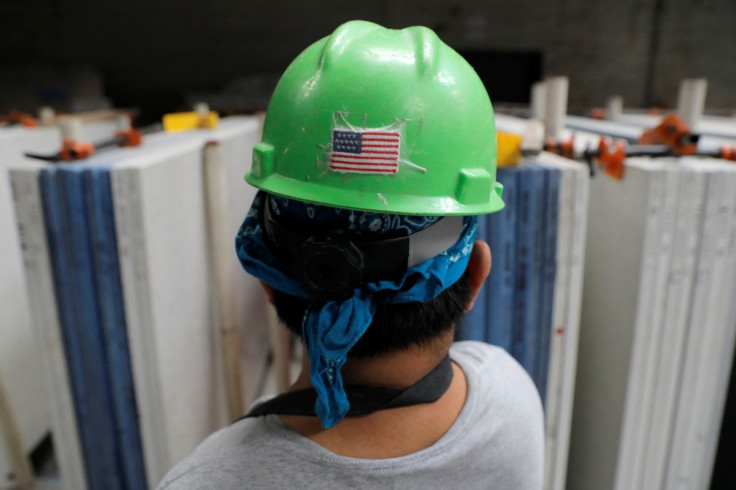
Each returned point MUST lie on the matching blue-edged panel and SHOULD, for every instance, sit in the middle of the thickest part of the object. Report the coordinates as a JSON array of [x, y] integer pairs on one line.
[[549, 272], [529, 264], [502, 280], [101, 219], [473, 325], [65, 261], [99, 437], [59, 255]]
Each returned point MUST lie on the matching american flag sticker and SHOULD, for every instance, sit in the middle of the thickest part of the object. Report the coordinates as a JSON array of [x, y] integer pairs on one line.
[[365, 152]]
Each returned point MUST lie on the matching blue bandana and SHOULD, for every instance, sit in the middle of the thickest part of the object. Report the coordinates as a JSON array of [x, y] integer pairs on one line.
[[331, 328]]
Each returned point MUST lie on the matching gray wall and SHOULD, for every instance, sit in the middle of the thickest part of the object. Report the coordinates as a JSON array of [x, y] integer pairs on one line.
[[161, 48]]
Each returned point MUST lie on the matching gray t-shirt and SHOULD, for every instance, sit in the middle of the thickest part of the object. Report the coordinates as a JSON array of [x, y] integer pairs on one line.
[[496, 442]]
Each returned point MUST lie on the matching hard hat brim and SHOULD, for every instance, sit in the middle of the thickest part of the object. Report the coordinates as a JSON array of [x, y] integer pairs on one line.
[[374, 201]]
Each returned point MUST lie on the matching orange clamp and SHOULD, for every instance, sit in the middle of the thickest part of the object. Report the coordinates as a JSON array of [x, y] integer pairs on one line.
[[130, 137], [567, 148], [612, 161], [71, 150], [564, 148], [17, 117], [674, 133], [728, 152]]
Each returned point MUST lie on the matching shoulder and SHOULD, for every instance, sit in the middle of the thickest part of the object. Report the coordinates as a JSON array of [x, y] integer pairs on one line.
[[507, 410], [498, 380], [220, 458], [494, 367], [478, 353]]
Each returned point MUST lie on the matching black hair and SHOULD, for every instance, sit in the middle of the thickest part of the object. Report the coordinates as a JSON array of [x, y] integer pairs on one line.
[[394, 327]]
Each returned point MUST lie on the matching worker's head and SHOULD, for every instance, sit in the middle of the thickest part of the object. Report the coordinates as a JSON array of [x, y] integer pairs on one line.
[[395, 326], [378, 151]]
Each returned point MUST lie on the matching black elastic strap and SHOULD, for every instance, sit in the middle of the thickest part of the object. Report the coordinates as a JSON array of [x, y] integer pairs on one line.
[[383, 257], [364, 399]]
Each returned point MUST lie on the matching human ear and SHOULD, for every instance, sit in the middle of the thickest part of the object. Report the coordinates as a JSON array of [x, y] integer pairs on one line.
[[479, 266]]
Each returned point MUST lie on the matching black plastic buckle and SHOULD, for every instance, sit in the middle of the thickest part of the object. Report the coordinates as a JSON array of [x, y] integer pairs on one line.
[[330, 267]]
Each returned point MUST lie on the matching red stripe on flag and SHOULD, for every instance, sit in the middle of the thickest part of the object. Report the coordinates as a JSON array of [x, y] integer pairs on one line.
[[364, 164], [361, 157], [364, 170]]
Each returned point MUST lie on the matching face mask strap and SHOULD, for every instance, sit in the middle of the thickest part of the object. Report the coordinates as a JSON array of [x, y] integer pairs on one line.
[[331, 267]]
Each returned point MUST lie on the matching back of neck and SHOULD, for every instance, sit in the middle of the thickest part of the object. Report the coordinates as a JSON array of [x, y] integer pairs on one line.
[[387, 433]]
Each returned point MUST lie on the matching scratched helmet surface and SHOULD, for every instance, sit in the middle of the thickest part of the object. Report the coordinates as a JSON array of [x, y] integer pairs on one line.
[[385, 120]]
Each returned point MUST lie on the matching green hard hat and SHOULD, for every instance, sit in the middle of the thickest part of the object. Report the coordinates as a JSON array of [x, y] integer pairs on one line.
[[383, 120]]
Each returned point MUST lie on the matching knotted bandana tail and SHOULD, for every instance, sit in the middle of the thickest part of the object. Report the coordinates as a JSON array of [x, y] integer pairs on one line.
[[329, 333]]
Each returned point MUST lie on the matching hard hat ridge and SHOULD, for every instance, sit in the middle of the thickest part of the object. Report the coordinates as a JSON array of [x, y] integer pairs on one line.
[[425, 44]]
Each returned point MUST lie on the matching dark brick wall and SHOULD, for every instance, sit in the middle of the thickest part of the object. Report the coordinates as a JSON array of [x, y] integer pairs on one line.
[[155, 50]]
